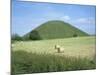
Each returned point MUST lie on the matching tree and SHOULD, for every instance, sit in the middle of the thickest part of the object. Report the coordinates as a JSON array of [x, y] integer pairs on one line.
[[16, 37], [34, 35], [75, 35]]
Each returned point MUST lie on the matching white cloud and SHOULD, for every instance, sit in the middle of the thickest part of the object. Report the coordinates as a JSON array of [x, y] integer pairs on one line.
[[66, 18], [85, 21]]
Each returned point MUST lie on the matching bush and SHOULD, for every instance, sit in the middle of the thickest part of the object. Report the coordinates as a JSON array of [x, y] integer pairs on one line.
[[75, 35], [25, 62], [34, 35], [16, 37]]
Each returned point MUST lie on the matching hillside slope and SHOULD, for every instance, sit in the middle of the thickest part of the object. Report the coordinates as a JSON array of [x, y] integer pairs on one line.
[[54, 29]]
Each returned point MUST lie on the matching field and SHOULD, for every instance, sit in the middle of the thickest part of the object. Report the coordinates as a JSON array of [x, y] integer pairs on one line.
[[79, 46], [41, 56]]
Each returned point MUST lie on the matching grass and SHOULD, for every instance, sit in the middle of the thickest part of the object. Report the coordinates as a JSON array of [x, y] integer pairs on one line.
[[26, 63], [40, 56], [56, 29], [78, 47]]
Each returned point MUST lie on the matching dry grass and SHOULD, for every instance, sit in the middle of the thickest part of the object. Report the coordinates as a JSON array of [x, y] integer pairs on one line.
[[79, 46]]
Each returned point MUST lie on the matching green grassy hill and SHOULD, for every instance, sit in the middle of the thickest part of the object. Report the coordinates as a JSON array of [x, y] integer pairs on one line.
[[54, 29]]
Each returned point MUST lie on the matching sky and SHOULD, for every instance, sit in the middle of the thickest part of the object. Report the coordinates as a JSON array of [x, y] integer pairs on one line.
[[29, 15]]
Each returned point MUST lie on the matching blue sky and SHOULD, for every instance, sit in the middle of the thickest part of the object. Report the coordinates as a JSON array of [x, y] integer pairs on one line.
[[29, 15]]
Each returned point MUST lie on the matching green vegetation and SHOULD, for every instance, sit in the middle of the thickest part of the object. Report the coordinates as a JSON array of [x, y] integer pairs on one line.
[[16, 37], [54, 30], [76, 46], [41, 56], [34, 35], [26, 62]]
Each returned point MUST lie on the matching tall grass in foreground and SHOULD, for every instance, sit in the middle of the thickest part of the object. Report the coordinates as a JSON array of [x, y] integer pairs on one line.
[[25, 62]]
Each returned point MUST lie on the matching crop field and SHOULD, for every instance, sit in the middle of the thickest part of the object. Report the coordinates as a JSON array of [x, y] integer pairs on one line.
[[79, 46], [41, 56]]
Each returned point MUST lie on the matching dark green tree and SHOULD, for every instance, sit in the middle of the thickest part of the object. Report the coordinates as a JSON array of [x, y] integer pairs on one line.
[[75, 35], [34, 35], [16, 37]]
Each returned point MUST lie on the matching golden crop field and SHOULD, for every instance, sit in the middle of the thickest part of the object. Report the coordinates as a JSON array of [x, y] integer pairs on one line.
[[79, 46]]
